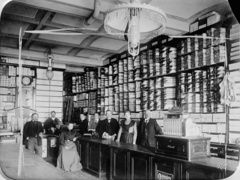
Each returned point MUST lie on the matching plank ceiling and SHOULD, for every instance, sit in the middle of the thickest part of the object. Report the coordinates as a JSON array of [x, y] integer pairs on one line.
[[85, 50]]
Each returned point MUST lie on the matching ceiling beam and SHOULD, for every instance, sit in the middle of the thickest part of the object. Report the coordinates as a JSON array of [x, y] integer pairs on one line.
[[51, 24], [43, 20], [34, 55], [50, 42], [73, 51]]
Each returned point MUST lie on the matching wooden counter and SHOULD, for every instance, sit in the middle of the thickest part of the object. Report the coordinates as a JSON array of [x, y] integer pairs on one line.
[[115, 160]]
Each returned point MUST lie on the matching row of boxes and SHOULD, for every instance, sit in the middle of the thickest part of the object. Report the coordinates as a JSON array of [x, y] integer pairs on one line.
[[205, 20]]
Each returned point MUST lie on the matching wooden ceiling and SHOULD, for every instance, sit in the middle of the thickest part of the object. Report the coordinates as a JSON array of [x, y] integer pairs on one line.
[[76, 52]]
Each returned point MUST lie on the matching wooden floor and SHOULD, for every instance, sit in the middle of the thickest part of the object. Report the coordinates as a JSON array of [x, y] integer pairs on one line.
[[35, 168]]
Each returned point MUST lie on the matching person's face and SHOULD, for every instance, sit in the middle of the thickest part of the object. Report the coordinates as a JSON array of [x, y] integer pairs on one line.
[[82, 117], [109, 115], [70, 126], [35, 117], [96, 116], [127, 115], [53, 114], [147, 114]]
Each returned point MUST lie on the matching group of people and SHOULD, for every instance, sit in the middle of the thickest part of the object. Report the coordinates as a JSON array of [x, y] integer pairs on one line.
[[126, 131]]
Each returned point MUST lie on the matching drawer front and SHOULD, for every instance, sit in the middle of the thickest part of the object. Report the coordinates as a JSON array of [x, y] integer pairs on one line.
[[173, 147]]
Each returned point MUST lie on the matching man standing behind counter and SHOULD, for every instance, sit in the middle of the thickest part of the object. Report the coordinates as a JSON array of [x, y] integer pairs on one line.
[[50, 123], [109, 127], [148, 128], [33, 133]]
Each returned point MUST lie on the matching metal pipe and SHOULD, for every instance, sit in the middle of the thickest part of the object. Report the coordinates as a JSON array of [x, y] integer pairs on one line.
[[95, 14]]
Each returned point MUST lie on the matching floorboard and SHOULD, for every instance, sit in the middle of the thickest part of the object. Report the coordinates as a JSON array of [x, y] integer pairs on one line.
[[35, 168]]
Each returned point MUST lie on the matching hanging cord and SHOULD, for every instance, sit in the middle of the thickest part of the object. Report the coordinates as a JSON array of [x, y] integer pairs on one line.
[[49, 97]]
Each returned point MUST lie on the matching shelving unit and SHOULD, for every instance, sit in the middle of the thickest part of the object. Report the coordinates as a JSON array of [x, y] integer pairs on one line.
[[166, 71], [8, 87]]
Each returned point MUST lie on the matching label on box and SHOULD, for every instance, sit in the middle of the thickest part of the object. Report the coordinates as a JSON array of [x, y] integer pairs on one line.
[[193, 27]]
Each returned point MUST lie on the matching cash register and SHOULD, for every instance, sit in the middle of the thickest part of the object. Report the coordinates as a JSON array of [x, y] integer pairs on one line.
[[182, 138]]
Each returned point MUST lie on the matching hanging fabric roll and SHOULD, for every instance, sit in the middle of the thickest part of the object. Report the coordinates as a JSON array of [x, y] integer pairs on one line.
[[227, 90]]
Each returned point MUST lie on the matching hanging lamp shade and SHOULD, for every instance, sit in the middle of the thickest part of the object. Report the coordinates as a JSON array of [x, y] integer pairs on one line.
[[49, 72], [135, 22]]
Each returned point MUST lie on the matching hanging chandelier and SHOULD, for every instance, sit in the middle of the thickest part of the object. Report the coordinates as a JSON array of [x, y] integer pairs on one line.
[[135, 22]]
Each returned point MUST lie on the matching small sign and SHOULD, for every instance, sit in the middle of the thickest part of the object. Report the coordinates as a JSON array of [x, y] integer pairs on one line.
[[53, 142], [143, 48], [114, 59], [123, 56], [44, 147], [163, 41], [155, 43], [106, 62]]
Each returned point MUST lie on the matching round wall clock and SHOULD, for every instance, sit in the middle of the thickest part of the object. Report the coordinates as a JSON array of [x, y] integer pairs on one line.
[[26, 80]]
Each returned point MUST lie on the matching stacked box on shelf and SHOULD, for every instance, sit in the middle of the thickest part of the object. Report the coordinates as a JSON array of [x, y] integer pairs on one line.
[[92, 102], [137, 83], [7, 88], [102, 92], [151, 94], [158, 93], [171, 60], [169, 92], [234, 66], [74, 80], [131, 85], [163, 62], [120, 84], [144, 94], [26, 71], [157, 57], [151, 63], [144, 65]]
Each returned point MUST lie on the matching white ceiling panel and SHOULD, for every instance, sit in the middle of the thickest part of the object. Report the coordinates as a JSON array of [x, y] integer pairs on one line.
[[90, 53], [107, 43], [172, 32], [21, 10], [76, 39], [8, 42], [13, 27], [74, 21], [61, 6], [61, 49], [38, 47]]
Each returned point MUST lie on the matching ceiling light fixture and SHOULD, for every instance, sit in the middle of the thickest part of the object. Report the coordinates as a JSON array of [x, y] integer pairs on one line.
[[136, 21], [49, 72]]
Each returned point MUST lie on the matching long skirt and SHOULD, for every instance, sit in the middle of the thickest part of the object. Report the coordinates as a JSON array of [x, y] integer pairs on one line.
[[126, 137], [68, 158]]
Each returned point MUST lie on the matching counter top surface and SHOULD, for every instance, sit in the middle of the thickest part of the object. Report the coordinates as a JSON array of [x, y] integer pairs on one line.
[[209, 161]]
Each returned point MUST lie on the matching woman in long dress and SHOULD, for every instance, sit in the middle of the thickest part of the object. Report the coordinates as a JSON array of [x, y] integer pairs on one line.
[[68, 158], [128, 130]]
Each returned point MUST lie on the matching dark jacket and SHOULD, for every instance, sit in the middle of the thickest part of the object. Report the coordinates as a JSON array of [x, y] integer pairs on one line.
[[32, 129], [49, 123], [110, 128], [83, 126], [152, 129]]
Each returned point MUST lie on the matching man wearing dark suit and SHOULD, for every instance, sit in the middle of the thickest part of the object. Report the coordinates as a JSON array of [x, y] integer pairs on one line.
[[148, 128], [109, 127], [32, 132], [50, 123], [83, 124]]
